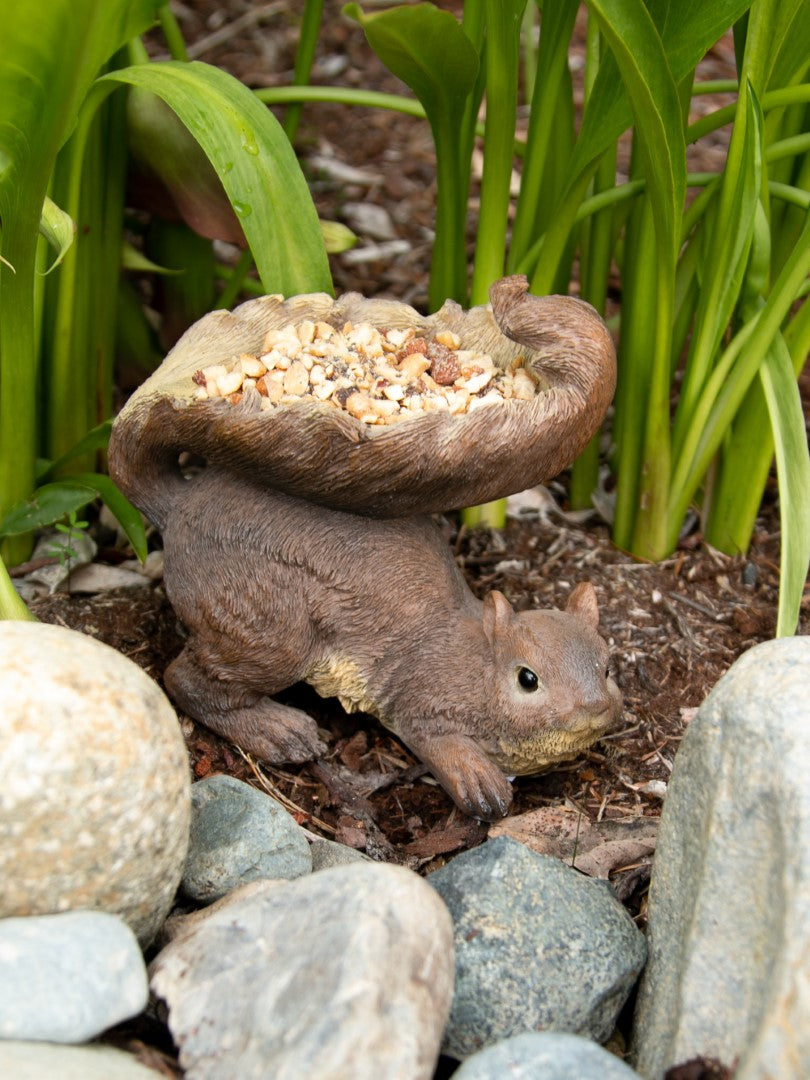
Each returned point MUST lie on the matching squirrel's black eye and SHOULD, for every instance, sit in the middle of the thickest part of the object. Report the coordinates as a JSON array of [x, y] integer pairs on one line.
[[527, 680]]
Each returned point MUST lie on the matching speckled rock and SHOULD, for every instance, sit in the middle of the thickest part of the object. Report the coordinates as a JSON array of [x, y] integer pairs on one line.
[[729, 910], [544, 1055], [82, 972], [94, 799], [343, 973], [538, 946], [48, 1061], [239, 834]]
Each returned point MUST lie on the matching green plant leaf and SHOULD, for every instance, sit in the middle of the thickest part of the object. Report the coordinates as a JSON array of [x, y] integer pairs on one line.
[[729, 242], [97, 439], [48, 504], [134, 259], [430, 51], [58, 228], [793, 470], [687, 28], [255, 163], [128, 517], [52, 49], [53, 501], [642, 61]]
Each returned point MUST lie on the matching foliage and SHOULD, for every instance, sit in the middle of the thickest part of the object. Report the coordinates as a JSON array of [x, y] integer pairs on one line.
[[712, 268], [709, 285], [64, 145]]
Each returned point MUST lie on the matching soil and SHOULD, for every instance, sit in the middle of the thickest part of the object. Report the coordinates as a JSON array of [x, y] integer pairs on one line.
[[674, 627]]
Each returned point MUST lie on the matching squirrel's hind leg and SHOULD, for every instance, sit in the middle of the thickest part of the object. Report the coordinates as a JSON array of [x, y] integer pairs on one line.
[[260, 725]]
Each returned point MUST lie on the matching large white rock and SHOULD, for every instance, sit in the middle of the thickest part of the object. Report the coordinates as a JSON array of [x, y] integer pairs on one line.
[[729, 912], [94, 781]]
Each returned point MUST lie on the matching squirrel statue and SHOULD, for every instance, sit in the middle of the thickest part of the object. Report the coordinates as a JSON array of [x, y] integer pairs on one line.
[[275, 588]]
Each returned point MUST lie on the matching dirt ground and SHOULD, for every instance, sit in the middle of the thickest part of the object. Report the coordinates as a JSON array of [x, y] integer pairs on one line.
[[674, 628]]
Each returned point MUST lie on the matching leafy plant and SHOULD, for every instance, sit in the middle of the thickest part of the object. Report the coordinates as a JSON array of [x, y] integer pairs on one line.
[[711, 286], [63, 163]]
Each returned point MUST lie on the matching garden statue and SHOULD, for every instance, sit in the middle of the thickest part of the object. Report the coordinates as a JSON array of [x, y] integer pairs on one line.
[[303, 550]]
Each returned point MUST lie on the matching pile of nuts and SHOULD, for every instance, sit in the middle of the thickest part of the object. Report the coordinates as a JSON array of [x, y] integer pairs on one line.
[[378, 376]]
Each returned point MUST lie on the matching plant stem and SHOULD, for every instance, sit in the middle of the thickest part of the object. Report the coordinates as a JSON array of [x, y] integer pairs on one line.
[[304, 55], [235, 281], [12, 605], [172, 33], [502, 63]]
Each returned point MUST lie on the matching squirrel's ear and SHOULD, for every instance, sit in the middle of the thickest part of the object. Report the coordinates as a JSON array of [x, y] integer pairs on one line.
[[582, 603], [498, 615]]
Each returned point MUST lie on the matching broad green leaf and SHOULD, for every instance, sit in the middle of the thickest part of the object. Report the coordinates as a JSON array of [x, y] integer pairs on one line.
[[688, 28], [52, 51], [51, 502], [793, 471], [254, 162], [48, 504], [58, 228], [57, 47], [428, 50], [181, 178]]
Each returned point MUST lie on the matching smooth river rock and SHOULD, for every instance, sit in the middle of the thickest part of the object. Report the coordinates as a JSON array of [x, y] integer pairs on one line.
[[538, 946], [344, 973], [544, 1055], [94, 798], [49, 1061], [79, 973], [238, 835], [729, 910]]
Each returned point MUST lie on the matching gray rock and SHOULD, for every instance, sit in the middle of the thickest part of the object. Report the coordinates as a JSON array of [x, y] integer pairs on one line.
[[729, 910], [94, 798], [326, 854], [238, 835], [537, 946], [81, 972], [343, 973], [544, 1055], [46, 1061]]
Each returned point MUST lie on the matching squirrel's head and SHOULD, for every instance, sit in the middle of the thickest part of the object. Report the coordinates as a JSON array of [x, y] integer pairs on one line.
[[553, 695]]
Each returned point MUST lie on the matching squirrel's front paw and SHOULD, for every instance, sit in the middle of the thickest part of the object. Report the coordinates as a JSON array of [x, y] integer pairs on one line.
[[481, 792], [473, 782]]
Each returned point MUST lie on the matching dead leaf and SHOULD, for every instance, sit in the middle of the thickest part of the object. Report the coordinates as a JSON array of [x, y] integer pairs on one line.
[[596, 849]]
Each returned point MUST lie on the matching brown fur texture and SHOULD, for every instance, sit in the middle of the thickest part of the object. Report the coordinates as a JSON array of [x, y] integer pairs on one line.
[[275, 588]]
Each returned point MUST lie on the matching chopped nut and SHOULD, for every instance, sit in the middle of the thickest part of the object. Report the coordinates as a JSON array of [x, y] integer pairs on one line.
[[523, 385], [413, 366], [377, 376], [229, 382], [296, 380], [444, 365], [252, 366], [448, 338]]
